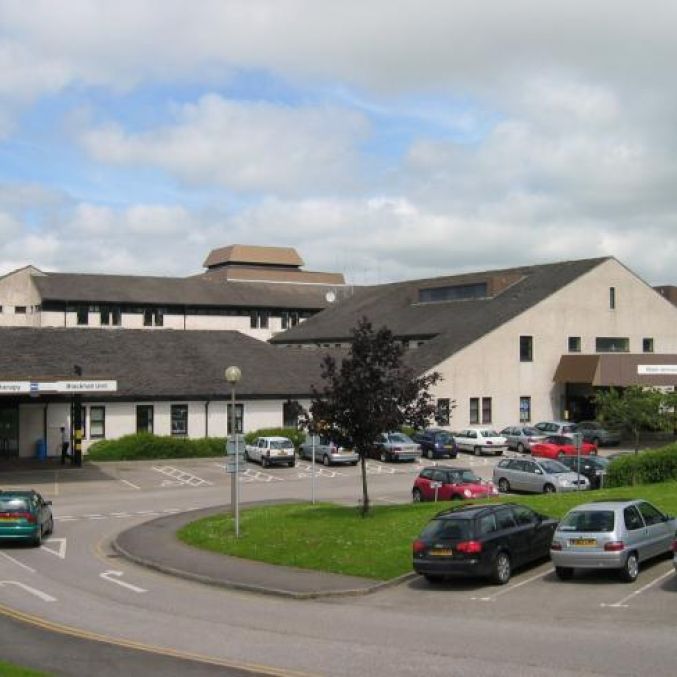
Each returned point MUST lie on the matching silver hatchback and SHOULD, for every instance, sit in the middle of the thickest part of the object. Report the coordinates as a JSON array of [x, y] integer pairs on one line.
[[611, 535], [542, 475]]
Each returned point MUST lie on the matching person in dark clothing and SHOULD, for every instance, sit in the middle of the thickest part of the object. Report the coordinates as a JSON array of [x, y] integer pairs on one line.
[[65, 443]]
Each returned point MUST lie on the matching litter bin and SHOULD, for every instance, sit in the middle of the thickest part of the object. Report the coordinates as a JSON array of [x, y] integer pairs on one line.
[[41, 449]]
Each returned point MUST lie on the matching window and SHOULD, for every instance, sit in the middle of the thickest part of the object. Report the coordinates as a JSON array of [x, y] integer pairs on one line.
[[442, 413], [179, 418], [504, 519], [612, 344], [144, 418], [647, 345], [291, 410], [294, 319], [285, 320], [147, 317], [452, 293], [487, 524], [159, 317], [525, 409], [612, 298], [258, 319], [486, 410], [632, 518], [82, 313], [111, 315], [574, 344], [239, 416], [526, 348], [20, 310], [104, 316], [650, 514], [153, 317], [97, 422], [523, 515], [474, 410]]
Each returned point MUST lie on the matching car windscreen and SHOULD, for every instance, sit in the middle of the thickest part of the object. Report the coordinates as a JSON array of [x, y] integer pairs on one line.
[[14, 504], [469, 476], [400, 438], [444, 438], [553, 467], [489, 433], [447, 530], [569, 428], [588, 520], [280, 444], [531, 431]]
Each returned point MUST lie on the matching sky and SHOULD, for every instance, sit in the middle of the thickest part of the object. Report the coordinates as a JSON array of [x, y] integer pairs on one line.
[[384, 139]]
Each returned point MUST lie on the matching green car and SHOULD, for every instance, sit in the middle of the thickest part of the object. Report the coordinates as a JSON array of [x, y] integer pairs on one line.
[[25, 515]]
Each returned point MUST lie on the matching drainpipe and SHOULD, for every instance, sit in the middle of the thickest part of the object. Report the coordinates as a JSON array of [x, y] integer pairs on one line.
[[207, 403]]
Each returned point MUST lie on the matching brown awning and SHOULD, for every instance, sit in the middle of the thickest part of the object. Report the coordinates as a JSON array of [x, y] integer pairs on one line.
[[618, 369]]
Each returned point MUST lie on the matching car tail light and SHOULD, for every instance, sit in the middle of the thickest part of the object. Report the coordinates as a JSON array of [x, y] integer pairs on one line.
[[674, 545], [614, 546], [20, 515], [418, 546], [469, 547], [555, 545]]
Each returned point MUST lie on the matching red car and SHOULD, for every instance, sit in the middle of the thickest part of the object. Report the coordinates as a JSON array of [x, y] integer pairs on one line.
[[556, 446], [444, 483]]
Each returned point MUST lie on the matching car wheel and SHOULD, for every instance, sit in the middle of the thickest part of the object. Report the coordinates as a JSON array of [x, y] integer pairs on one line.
[[433, 578], [292, 463], [478, 451], [520, 448], [383, 457], [503, 485], [430, 454], [564, 573], [264, 462], [325, 460], [50, 528], [246, 455], [502, 569], [354, 463], [549, 489], [417, 496], [630, 569], [37, 539]]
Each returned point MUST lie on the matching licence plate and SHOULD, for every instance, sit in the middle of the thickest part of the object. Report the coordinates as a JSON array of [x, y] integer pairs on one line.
[[442, 552], [581, 542]]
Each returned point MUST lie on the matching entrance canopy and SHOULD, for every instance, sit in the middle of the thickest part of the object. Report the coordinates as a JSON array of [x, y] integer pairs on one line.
[[49, 387], [618, 369]]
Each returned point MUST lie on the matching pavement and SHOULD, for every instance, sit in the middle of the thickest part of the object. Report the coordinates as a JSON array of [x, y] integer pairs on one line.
[[155, 545]]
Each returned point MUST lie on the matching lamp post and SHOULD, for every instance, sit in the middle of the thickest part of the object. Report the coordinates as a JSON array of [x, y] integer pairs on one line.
[[233, 375]]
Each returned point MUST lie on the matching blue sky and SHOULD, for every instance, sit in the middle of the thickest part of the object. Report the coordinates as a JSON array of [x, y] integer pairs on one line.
[[386, 140]]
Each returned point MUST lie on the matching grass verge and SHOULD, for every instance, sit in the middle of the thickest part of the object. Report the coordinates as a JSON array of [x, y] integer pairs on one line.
[[336, 538], [11, 670]]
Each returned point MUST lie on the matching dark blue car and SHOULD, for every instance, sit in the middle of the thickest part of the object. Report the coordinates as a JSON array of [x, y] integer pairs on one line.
[[436, 443]]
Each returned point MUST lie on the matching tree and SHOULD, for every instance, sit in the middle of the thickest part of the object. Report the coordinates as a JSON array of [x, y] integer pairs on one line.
[[635, 408], [370, 392]]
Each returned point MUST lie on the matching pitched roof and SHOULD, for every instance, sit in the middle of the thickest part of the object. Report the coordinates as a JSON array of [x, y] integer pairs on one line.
[[159, 364], [253, 255], [448, 325]]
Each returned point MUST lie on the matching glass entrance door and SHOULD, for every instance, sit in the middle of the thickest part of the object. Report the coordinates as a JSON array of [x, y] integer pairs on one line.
[[9, 432]]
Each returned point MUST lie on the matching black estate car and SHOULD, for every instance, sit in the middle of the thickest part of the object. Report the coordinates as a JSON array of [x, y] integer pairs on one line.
[[436, 443], [482, 540]]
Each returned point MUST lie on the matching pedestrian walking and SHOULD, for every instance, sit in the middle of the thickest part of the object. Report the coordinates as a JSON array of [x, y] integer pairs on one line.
[[65, 443]]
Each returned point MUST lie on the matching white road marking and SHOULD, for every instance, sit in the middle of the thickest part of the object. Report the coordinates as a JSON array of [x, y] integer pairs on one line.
[[120, 514], [95, 516], [61, 549], [38, 593], [106, 575], [16, 561], [622, 603], [510, 588], [66, 518], [130, 484], [181, 476]]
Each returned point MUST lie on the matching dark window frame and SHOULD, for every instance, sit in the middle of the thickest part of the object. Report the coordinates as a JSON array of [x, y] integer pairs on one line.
[[239, 418], [443, 411], [150, 420], [574, 344], [95, 421], [487, 406], [175, 419], [605, 344], [526, 348], [525, 412], [647, 345], [474, 413]]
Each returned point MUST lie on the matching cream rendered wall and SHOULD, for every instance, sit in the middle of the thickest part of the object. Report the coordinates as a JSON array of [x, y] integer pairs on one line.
[[17, 289], [491, 366]]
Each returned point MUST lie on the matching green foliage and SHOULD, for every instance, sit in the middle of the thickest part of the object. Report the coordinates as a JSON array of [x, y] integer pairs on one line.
[[146, 446], [656, 465], [12, 670], [296, 436]]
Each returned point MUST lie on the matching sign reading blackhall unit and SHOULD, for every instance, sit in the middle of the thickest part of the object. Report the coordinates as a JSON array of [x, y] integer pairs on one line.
[[657, 369], [43, 387]]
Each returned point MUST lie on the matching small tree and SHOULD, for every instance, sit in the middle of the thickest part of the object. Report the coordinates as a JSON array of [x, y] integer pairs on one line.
[[635, 408], [371, 392]]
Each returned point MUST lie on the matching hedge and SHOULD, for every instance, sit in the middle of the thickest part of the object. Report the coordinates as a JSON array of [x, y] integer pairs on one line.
[[296, 436], [146, 446], [649, 467]]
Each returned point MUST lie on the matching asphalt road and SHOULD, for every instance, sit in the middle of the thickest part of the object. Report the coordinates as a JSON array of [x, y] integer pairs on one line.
[[75, 583]]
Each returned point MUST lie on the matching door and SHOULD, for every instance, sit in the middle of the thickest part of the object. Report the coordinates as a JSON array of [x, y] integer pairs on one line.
[[9, 432], [144, 418], [659, 532]]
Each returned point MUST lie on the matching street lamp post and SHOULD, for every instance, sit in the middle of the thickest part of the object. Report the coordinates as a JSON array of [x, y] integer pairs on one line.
[[233, 375]]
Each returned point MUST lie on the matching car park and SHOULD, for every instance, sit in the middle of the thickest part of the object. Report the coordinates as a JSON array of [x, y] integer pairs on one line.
[[593, 467], [25, 516], [445, 483], [538, 475], [613, 534], [559, 446], [436, 443], [598, 434], [327, 451], [271, 451], [480, 441], [395, 446], [557, 427], [521, 437], [482, 540]]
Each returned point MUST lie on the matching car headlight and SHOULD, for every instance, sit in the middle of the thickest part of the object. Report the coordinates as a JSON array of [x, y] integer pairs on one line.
[[467, 493]]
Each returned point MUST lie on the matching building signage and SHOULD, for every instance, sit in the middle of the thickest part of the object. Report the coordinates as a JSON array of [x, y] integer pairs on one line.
[[40, 387], [657, 369]]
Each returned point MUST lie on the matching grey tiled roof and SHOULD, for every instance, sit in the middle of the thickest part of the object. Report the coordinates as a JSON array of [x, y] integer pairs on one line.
[[447, 326], [159, 364]]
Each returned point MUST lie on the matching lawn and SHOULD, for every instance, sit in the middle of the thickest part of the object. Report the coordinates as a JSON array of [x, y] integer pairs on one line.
[[335, 538]]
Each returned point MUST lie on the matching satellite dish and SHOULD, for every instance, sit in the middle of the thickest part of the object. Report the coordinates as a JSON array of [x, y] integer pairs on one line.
[[330, 296]]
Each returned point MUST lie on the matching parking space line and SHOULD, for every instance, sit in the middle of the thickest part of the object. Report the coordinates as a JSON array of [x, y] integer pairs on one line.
[[130, 484], [622, 604], [510, 588], [16, 561]]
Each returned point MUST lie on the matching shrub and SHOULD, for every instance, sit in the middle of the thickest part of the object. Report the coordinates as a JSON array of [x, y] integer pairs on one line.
[[649, 467], [296, 436], [146, 446]]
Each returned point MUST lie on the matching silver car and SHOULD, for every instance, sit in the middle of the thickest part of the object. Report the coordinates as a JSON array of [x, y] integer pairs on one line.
[[396, 447], [540, 475], [521, 437], [611, 535], [597, 434], [327, 451]]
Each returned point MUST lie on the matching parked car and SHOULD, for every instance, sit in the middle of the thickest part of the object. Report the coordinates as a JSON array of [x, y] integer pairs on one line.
[[557, 427], [327, 451], [521, 437], [674, 549], [444, 483], [436, 443], [598, 434], [539, 475], [396, 447], [480, 441], [482, 540], [611, 535], [25, 515], [559, 446], [593, 467], [271, 450]]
